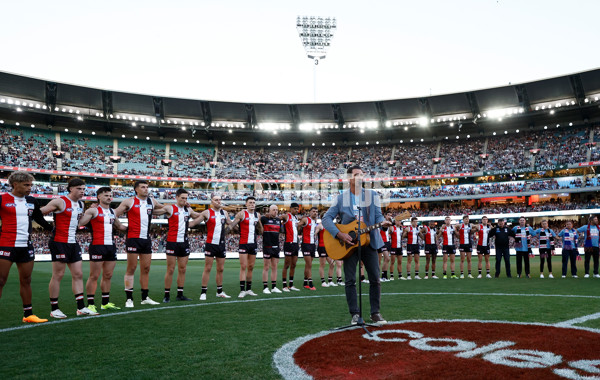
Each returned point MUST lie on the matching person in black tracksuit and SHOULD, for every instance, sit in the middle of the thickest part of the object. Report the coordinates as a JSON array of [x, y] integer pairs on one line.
[[501, 233]]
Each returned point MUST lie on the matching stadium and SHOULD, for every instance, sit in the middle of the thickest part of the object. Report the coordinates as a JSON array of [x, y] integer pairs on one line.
[[525, 151]]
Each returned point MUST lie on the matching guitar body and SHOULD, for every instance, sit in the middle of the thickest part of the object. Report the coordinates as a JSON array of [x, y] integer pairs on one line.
[[338, 250]]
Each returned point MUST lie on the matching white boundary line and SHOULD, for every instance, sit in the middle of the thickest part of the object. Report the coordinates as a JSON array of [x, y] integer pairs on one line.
[[574, 321], [127, 312], [284, 363]]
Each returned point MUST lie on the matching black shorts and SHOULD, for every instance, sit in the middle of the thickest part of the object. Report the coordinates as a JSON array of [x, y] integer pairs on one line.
[[103, 252], [321, 251], [214, 250], [483, 249], [448, 250], [431, 249], [138, 246], [181, 249], [248, 249], [270, 253], [308, 250], [65, 252], [465, 248], [396, 252], [18, 254], [388, 246], [412, 249], [290, 249]]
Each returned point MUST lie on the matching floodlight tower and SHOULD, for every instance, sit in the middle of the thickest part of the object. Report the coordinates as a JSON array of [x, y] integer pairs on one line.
[[316, 34]]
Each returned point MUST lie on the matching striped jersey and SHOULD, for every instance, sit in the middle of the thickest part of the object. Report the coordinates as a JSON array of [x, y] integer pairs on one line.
[[396, 235], [138, 218], [308, 232], [413, 235], [271, 228], [546, 237], [16, 214], [384, 235], [248, 228], [291, 229], [447, 235], [178, 225], [464, 233], [215, 226], [430, 235], [102, 226], [66, 221], [483, 236]]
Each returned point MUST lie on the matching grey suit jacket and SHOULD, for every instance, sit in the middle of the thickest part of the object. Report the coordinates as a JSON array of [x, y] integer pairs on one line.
[[370, 211]]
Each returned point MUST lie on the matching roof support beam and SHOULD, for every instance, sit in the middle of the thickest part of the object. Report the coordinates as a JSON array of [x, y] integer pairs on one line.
[[523, 97], [51, 90], [338, 116], [381, 113], [577, 87]]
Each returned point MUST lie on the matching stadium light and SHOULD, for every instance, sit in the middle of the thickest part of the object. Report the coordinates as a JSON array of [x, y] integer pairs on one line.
[[316, 34]]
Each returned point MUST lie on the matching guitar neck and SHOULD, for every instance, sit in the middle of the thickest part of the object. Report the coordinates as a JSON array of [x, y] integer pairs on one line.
[[369, 229]]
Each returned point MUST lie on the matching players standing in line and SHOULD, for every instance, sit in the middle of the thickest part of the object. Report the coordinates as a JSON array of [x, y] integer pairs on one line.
[[102, 249], [308, 225], [463, 233], [590, 246], [17, 209], [271, 228], [64, 247], [138, 244], [178, 245], [290, 247], [569, 249], [522, 235], [411, 234], [446, 232], [249, 221], [501, 234], [396, 233], [483, 246], [429, 236], [546, 247], [386, 250], [217, 225]]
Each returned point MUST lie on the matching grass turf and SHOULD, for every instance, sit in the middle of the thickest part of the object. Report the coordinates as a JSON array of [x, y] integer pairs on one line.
[[237, 338]]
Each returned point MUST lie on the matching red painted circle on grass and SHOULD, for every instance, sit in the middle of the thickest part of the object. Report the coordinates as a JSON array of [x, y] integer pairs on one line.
[[453, 349]]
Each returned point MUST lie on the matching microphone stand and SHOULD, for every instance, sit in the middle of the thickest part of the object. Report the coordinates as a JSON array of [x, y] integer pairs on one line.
[[361, 321]]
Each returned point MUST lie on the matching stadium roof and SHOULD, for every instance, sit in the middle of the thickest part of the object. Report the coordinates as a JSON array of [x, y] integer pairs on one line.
[[570, 98]]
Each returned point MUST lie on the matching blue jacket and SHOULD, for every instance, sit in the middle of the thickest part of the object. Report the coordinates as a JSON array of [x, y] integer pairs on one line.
[[343, 206]]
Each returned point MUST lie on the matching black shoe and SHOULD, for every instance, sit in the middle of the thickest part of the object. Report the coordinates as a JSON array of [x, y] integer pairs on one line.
[[378, 319], [166, 299], [182, 298]]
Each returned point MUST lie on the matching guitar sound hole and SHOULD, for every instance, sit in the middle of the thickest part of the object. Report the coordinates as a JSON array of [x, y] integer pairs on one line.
[[353, 236]]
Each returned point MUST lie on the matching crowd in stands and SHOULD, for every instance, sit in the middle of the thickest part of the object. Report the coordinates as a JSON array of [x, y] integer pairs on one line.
[[460, 156], [27, 147]]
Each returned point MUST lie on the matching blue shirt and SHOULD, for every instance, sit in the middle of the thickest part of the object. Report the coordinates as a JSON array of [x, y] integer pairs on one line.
[[545, 238], [569, 238], [592, 240], [523, 244]]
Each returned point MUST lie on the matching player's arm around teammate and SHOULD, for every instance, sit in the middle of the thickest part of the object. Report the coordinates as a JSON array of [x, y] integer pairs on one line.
[[64, 248], [102, 250]]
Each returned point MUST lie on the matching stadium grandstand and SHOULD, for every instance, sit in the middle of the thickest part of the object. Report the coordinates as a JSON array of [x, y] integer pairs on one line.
[[525, 148]]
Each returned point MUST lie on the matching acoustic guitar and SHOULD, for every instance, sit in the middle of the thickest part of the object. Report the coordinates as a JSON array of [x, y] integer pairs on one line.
[[339, 250]]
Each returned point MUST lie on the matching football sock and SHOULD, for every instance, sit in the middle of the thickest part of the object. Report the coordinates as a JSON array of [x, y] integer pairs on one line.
[[129, 293], [54, 303], [204, 289], [180, 291], [79, 299], [242, 286], [90, 299], [27, 310], [273, 284], [248, 285], [144, 294], [105, 298]]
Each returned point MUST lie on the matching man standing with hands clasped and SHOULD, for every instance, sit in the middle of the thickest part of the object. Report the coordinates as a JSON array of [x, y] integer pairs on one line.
[[346, 206]]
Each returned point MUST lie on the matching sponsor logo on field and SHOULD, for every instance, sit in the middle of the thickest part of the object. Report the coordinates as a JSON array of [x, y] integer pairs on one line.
[[447, 349]]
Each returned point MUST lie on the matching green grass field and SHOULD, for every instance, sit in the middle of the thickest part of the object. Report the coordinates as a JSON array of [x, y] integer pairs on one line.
[[233, 338]]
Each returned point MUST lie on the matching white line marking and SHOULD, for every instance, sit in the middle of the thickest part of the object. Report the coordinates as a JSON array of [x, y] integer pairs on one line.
[[127, 312], [574, 321]]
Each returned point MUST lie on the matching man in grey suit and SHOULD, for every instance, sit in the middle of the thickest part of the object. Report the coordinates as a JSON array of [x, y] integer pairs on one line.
[[347, 206]]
